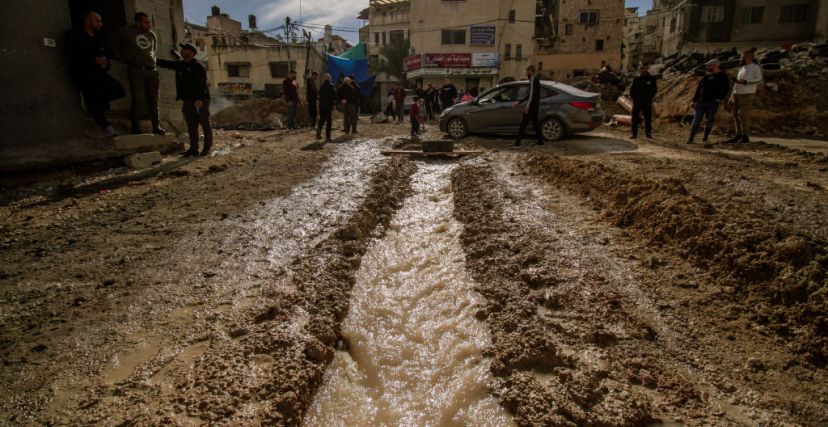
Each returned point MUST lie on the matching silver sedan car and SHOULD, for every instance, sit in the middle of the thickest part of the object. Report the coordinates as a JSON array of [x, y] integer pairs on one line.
[[563, 110]]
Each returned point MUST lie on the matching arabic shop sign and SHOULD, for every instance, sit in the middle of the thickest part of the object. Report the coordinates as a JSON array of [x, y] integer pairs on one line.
[[482, 35]]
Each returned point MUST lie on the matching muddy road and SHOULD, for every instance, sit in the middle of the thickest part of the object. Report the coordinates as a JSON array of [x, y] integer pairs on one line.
[[594, 281]]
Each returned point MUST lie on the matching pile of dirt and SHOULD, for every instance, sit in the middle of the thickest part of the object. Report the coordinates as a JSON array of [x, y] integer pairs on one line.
[[778, 272], [258, 114], [535, 379]]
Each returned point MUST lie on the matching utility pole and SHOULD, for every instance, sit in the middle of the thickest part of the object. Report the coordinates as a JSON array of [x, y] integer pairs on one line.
[[287, 40]]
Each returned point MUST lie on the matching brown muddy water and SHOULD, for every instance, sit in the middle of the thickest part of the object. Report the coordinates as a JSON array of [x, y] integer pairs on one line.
[[414, 354]]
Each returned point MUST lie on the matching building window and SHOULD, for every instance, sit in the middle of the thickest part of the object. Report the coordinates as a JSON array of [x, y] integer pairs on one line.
[[589, 17], [793, 13], [280, 69], [712, 14], [673, 25], [512, 16], [507, 55], [518, 52], [376, 39], [540, 67], [454, 36], [396, 35], [238, 70], [752, 15], [568, 29], [599, 45]]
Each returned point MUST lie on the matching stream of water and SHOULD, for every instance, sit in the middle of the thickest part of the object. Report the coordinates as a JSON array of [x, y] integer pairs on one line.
[[415, 348]]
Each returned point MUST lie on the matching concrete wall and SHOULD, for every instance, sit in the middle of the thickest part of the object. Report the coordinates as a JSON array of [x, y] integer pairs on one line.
[[770, 28], [39, 103], [259, 58]]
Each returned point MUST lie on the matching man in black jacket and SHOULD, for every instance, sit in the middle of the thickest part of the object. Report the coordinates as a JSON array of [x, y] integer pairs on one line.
[[327, 102], [448, 93], [191, 87], [89, 65], [711, 90], [642, 92], [346, 93], [532, 109], [312, 95]]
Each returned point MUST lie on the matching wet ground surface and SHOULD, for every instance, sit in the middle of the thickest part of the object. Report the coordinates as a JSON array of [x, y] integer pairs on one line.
[[593, 281]]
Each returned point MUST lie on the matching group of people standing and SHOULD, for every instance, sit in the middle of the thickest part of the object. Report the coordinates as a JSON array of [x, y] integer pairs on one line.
[[430, 100], [137, 46], [322, 100], [712, 89]]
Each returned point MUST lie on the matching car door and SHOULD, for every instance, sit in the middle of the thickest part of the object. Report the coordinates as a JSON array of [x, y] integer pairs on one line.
[[511, 117], [487, 109]]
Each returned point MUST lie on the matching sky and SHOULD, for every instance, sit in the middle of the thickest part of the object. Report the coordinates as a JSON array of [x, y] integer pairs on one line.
[[271, 13]]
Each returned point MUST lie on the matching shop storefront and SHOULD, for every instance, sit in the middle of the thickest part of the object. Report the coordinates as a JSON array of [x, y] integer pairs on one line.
[[465, 70]]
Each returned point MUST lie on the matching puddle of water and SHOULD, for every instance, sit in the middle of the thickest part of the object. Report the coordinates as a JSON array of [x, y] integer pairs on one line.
[[124, 363], [415, 356]]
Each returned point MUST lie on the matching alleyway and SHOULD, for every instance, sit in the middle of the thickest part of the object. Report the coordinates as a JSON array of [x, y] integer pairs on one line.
[[592, 281]]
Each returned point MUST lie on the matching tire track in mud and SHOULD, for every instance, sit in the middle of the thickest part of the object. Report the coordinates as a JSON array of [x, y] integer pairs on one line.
[[780, 271], [547, 372], [260, 356], [266, 368]]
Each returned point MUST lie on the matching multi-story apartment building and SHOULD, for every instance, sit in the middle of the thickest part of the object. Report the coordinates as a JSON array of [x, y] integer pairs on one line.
[[632, 38], [244, 63], [473, 43], [581, 35]]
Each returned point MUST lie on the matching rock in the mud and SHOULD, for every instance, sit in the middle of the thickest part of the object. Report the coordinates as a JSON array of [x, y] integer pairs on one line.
[[754, 364], [143, 160], [317, 351]]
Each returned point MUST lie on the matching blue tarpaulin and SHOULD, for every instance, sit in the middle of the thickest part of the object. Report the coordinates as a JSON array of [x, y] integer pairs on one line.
[[339, 67]]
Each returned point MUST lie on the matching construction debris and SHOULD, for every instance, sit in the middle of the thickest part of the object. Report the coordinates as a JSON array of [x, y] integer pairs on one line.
[[258, 114]]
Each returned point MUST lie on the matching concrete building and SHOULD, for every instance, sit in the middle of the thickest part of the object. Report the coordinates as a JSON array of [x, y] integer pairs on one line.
[[632, 38], [246, 63], [386, 19], [474, 44], [582, 35], [706, 25], [41, 108]]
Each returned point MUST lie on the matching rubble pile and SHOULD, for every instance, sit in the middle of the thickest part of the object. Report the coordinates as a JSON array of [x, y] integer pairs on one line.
[[258, 114], [792, 100]]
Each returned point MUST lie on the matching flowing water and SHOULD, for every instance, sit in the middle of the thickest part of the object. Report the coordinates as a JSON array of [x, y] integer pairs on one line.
[[415, 348]]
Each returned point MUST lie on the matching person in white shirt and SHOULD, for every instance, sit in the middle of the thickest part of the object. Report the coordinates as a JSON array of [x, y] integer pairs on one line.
[[744, 90]]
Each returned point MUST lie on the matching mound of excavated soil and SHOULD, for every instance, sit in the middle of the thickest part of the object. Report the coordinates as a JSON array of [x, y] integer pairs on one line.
[[258, 114], [780, 275]]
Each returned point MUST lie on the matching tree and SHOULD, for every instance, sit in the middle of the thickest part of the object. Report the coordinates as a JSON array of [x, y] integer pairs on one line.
[[391, 58]]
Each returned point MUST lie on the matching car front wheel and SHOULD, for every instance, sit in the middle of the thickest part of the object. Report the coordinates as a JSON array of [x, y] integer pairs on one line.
[[457, 128], [553, 129]]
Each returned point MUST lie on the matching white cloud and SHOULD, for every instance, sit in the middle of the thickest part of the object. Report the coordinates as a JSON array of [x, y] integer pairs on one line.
[[338, 13]]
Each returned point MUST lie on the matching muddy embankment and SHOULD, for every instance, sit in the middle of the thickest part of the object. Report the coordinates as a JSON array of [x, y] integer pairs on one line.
[[538, 380], [777, 272], [323, 278]]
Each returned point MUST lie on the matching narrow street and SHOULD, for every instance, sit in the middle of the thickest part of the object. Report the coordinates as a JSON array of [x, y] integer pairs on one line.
[[594, 281]]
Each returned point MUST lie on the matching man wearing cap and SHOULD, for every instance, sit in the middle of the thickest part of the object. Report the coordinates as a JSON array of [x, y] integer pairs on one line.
[[710, 91], [744, 90], [136, 45], [191, 88]]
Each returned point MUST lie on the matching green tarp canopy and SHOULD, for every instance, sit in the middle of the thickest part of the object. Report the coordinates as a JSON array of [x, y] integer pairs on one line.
[[355, 53]]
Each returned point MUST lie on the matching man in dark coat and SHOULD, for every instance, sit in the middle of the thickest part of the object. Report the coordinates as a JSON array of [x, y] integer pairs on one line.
[[642, 92], [532, 110], [711, 90], [191, 88], [448, 93], [291, 93], [90, 65], [327, 102], [312, 95], [346, 93]]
